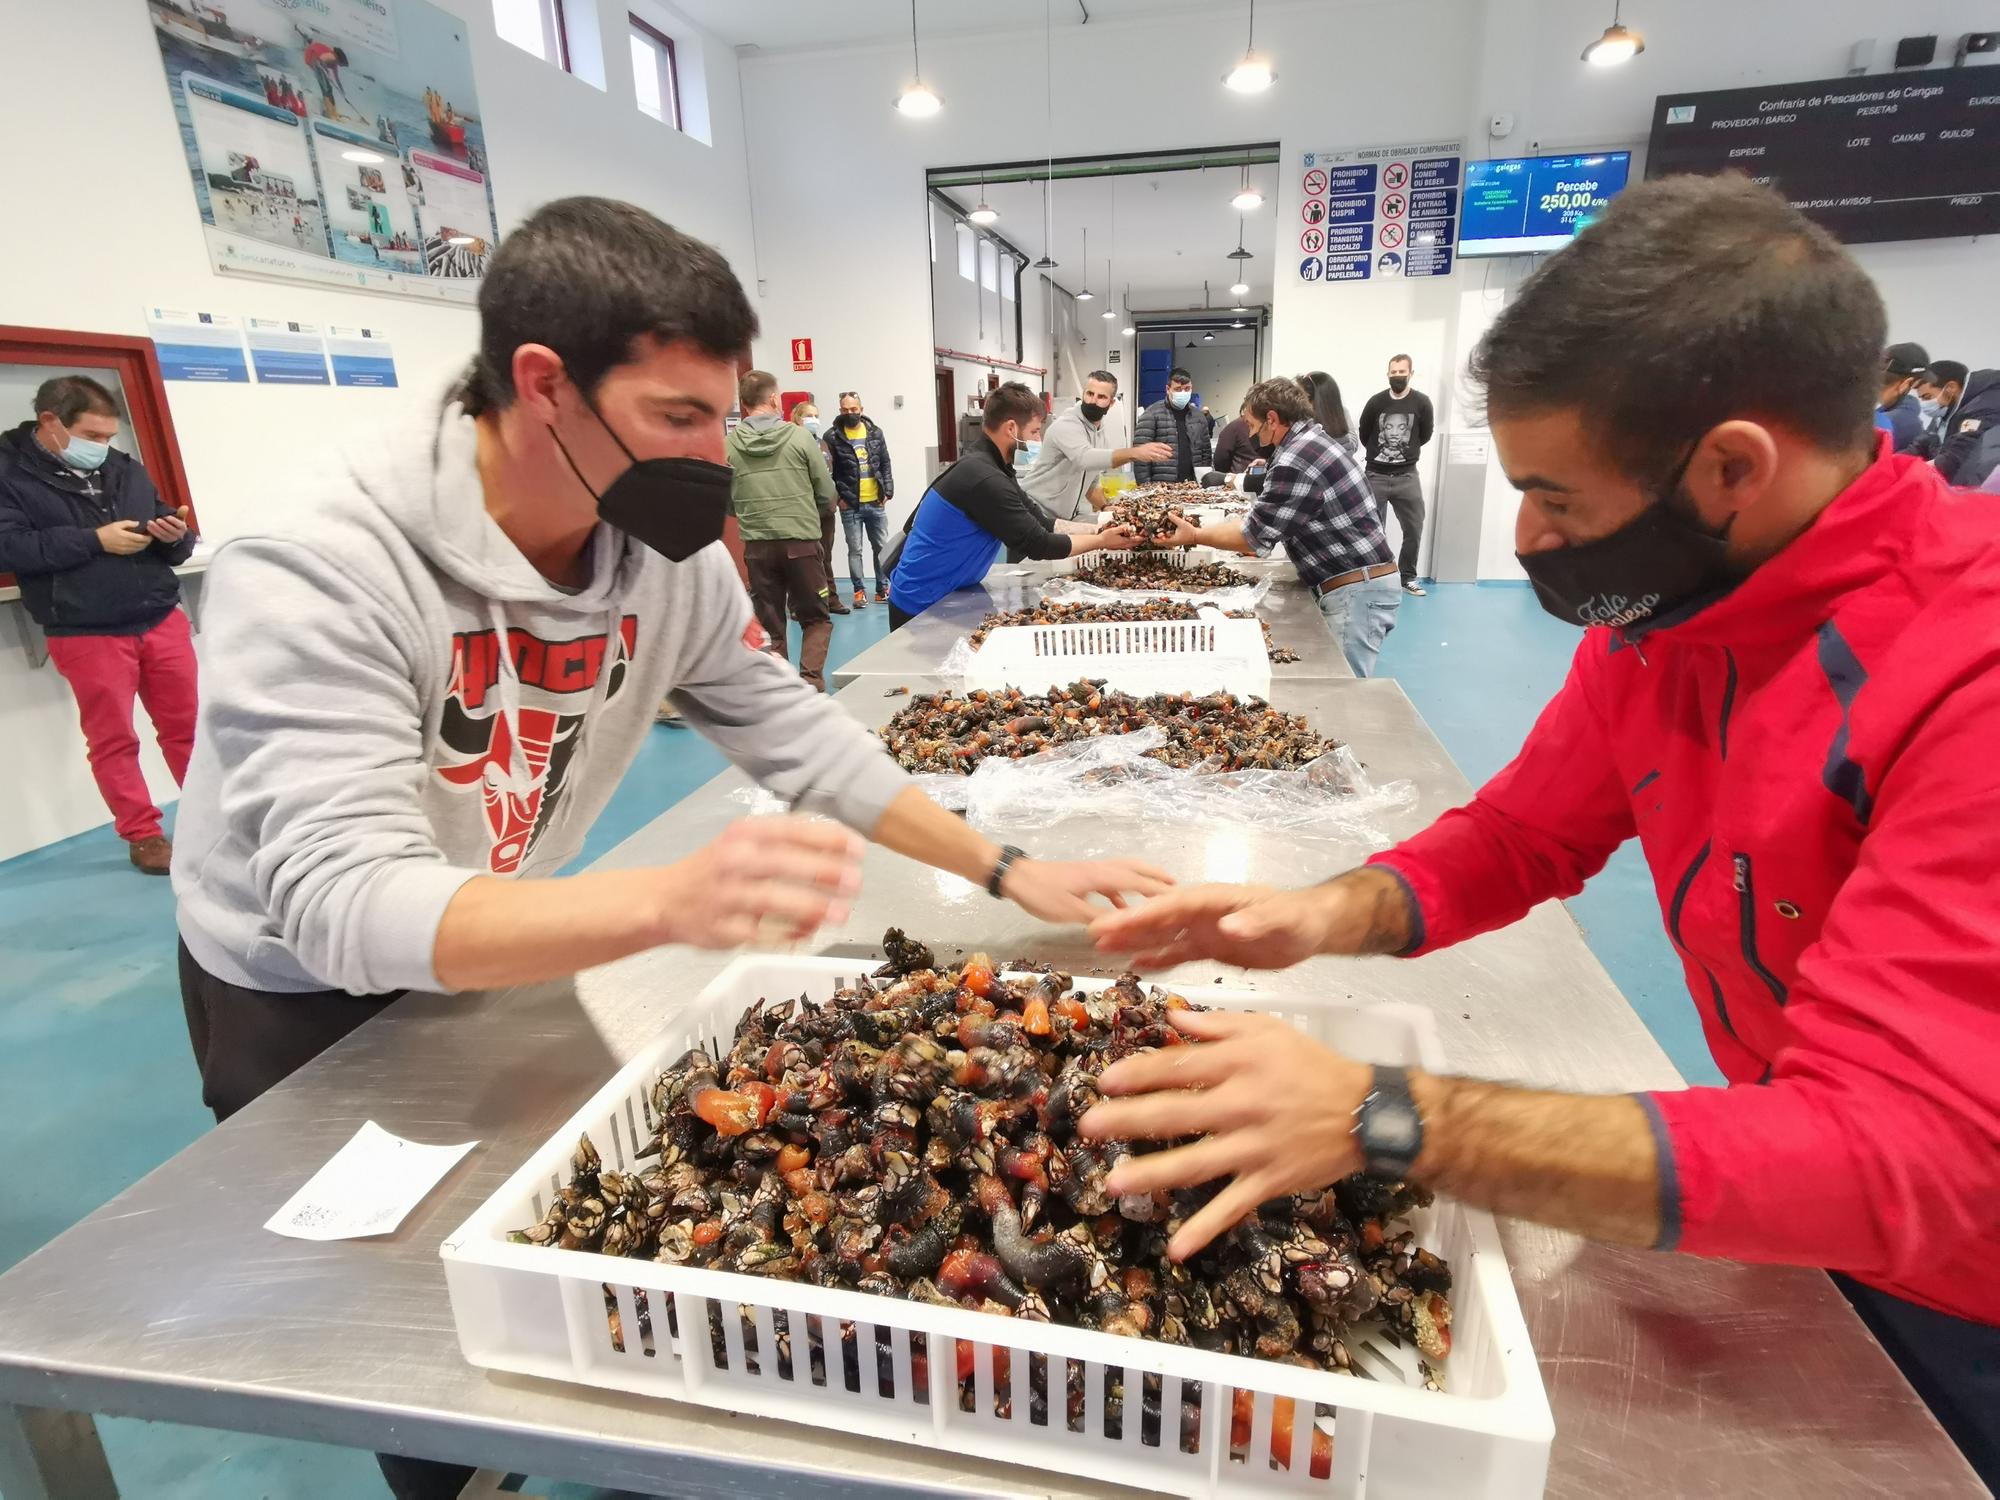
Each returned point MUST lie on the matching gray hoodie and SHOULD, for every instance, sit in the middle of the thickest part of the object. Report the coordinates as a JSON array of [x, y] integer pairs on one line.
[[364, 749]]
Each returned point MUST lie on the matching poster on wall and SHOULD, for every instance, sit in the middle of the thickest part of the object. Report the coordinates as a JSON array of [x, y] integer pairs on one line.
[[199, 346], [1379, 212], [333, 142], [284, 351], [361, 356]]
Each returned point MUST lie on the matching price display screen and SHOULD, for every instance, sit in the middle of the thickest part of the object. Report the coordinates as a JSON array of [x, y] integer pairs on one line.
[[1524, 205]]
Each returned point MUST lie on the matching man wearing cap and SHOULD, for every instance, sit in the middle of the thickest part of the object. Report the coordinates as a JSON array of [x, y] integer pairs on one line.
[[1899, 413]]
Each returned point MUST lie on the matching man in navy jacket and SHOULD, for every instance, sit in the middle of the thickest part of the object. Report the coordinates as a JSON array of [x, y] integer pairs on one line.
[[94, 549]]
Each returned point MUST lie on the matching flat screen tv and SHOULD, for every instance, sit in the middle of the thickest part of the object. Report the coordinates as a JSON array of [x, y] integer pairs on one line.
[[1887, 156], [1524, 205]]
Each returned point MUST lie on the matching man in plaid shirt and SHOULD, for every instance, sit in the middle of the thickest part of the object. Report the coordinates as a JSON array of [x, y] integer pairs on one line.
[[1316, 501]]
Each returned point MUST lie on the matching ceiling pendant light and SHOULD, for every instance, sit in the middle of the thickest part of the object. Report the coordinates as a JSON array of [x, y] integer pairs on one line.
[[986, 213], [1049, 133], [1109, 312], [1247, 197], [917, 100], [1086, 294], [1253, 74], [1619, 43], [1129, 330], [1208, 338], [1239, 253]]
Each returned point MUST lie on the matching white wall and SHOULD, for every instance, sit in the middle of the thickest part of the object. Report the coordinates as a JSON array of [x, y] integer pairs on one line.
[[548, 134], [1351, 73]]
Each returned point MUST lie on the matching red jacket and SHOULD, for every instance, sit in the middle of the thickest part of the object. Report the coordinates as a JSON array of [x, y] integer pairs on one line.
[[1812, 766]]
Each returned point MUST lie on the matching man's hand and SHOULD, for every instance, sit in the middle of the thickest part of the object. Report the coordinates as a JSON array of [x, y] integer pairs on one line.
[[1185, 532], [1256, 927], [123, 538], [1060, 890], [168, 529], [1118, 538], [773, 879], [1274, 1108], [1154, 453]]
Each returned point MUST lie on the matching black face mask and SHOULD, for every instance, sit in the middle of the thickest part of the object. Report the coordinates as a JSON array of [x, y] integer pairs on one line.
[[1399, 383], [676, 506], [1092, 414], [1658, 561]]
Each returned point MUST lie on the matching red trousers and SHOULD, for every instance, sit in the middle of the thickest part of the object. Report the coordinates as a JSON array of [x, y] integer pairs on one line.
[[106, 672]]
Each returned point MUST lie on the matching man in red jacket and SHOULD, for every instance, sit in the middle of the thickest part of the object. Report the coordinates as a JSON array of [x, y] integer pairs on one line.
[[1788, 690]]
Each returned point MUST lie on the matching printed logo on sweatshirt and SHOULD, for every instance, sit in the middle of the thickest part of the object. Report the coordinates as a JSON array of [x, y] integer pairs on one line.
[[521, 795]]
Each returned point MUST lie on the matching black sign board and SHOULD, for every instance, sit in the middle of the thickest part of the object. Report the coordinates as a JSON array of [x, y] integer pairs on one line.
[[1897, 156]]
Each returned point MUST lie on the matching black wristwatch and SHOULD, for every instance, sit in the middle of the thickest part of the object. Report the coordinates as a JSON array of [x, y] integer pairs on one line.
[[1008, 854], [1388, 1127]]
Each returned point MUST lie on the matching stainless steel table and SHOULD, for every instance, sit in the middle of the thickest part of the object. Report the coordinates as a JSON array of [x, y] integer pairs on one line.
[[1667, 1375], [922, 644]]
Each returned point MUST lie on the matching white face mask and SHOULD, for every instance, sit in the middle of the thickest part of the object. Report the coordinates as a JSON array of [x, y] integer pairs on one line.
[[814, 425], [1928, 407]]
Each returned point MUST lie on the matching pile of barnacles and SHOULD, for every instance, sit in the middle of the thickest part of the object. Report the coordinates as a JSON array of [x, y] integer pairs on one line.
[[953, 732], [1147, 571], [916, 1136]]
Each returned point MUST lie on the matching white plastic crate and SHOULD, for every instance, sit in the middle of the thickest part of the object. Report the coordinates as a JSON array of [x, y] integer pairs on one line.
[[542, 1312], [1208, 654]]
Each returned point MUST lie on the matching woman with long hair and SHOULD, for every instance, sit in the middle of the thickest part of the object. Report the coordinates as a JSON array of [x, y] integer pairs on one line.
[[1328, 409]]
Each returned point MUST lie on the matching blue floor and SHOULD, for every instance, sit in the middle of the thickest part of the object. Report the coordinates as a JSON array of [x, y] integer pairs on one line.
[[95, 1066]]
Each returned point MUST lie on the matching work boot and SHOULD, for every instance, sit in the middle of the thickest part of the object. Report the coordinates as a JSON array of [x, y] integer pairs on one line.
[[861, 598], [153, 856], [834, 606]]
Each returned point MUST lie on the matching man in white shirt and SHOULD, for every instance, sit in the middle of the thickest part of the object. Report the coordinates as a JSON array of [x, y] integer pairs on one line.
[[1075, 453]]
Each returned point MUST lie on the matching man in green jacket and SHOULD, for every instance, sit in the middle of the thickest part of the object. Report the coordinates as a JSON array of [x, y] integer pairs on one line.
[[779, 486]]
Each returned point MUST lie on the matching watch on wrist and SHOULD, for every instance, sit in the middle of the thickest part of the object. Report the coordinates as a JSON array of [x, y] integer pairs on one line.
[[1008, 854], [1387, 1126]]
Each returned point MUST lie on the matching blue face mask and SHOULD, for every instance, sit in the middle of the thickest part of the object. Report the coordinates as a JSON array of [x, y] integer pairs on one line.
[[1025, 454], [1178, 399], [1929, 409], [84, 454], [814, 425]]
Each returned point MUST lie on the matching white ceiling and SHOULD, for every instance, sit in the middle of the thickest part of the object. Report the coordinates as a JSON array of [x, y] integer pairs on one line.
[[792, 24], [1163, 231]]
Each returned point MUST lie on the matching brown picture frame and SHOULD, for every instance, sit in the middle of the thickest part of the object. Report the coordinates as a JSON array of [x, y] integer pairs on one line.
[[137, 367]]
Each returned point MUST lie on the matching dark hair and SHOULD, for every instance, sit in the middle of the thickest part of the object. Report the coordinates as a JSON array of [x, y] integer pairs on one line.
[[1285, 397], [589, 277], [1406, 360], [1104, 375], [1690, 301], [1943, 370], [1012, 402], [1177, 373], [70, 396], [1324, 393], [756, 388]]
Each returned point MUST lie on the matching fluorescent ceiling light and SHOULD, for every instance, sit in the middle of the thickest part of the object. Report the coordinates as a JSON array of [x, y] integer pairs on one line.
[[366, 158], [1246, 200], [1109, 313], [985, 213], [1241, 289], [1086, 295], [1619, 44], [918, 102], [1129, 331]]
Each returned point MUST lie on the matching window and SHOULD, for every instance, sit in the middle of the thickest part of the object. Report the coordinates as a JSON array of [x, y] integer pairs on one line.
[[534, 26], [989, 266], [968, 253], [655, 72], [1010, 279]]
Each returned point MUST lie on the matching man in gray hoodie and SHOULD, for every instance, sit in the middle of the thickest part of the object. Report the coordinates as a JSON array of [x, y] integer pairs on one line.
[[436, 672]]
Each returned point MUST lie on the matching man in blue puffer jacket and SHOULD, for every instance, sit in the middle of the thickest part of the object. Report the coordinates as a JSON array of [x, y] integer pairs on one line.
[[94, 549]]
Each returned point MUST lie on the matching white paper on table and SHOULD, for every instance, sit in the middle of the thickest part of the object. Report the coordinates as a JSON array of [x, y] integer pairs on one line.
[[369, 1187]]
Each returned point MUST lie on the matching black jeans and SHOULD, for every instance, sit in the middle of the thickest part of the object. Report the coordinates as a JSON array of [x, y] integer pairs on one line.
[[244, 1042], [1404, 494], [1953, 1364]]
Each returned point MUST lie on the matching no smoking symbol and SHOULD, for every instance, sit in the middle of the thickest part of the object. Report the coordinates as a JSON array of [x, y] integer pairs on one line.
[[1391, 236], [1395, 175], [1315, 183], [1393, 206], [1311, 240]]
